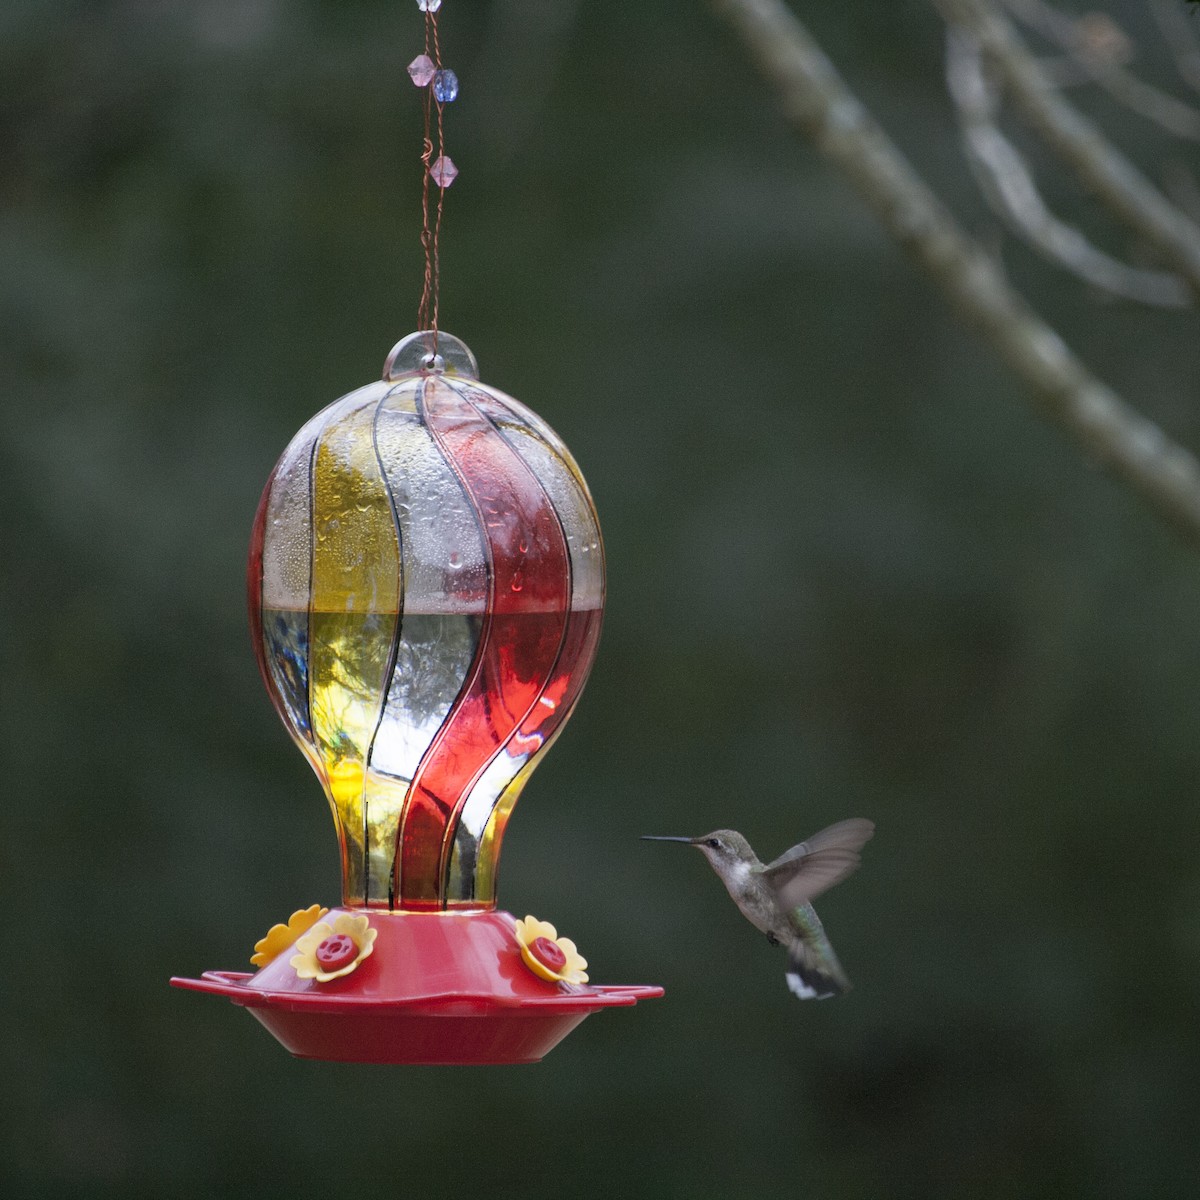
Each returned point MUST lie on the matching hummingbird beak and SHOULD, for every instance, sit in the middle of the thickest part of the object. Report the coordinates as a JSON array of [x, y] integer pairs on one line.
[[646, 837]]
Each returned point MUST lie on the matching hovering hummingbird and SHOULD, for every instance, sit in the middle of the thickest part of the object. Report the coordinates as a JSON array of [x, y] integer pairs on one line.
[[776, 898]]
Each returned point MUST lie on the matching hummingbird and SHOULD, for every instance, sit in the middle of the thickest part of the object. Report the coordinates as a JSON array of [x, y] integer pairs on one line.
[[776, 898]]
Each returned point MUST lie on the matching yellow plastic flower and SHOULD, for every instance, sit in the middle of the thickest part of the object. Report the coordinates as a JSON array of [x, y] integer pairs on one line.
[[280, 937], [325, 951], [547, 955]]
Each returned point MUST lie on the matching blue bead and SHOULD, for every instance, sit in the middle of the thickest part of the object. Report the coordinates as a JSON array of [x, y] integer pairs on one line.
[[445, 86]]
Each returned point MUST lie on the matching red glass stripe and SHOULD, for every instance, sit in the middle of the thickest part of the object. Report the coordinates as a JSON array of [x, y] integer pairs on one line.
[[519, 645], [575, 658], [254, 574]]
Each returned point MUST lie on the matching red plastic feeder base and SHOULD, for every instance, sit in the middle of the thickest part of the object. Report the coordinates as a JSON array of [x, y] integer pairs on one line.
[[438, 989]]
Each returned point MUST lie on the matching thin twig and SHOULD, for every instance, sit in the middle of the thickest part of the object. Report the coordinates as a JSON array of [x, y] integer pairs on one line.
[[819, 104], [1064, 71], [1091, 42], [1113, 178], [1009, 187]]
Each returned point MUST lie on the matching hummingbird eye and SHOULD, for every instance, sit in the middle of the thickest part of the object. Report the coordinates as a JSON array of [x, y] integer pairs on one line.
[[714, 843]]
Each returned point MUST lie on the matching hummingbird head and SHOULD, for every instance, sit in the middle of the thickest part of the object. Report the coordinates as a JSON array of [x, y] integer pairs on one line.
[[725, 849]]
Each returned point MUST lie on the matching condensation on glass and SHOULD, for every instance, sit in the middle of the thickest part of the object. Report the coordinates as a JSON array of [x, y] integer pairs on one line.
[[426, 584]]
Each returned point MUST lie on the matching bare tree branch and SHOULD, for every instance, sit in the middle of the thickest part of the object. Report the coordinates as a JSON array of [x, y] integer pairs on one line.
[[1114, 179], [1092, 41], [820, 105], [1009, 187]]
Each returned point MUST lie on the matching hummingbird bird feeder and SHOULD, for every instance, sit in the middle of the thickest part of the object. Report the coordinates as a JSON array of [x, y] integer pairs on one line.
[[426, 584]]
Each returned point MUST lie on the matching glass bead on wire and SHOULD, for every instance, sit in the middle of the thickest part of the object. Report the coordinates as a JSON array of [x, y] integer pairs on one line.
[[421, 70], [442, 171], [445, 86]]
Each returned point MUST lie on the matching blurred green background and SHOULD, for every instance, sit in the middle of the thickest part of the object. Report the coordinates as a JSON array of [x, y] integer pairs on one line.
[[850, 574]]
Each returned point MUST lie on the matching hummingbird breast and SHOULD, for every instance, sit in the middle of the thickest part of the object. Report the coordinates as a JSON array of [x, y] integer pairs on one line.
[[754, 898]]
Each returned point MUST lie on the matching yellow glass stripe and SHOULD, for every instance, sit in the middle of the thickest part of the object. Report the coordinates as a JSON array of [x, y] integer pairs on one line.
[[355, 609]]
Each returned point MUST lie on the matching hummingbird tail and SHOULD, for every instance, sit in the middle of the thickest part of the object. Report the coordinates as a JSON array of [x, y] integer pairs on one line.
[[814, 972]]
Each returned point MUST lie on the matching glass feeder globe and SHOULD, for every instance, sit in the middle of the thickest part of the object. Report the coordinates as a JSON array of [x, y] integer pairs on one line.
[[426, 585]]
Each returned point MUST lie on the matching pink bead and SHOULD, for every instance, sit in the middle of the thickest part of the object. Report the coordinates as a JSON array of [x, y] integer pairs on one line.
[[421, 70], [443, 172]]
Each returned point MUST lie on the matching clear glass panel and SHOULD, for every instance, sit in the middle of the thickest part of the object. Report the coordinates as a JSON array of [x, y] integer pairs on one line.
[[429, 352]]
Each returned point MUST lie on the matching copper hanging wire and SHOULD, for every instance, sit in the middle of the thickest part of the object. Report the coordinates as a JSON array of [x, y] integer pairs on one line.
[[427, 313], [441, 199]]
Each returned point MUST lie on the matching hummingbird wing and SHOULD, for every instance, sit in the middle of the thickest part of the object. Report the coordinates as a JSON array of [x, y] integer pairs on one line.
[[814, 866]]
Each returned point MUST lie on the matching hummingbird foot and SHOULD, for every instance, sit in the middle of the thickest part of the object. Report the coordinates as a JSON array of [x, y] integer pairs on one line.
[[773, 939]]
